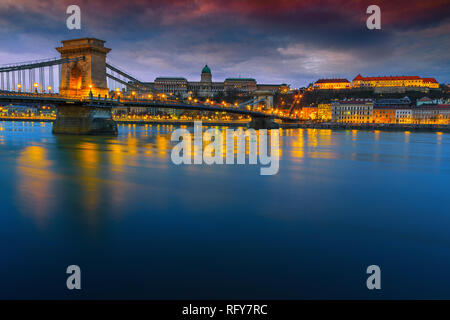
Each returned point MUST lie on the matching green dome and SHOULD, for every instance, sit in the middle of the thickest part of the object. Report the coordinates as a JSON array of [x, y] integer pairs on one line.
[[206, 69]]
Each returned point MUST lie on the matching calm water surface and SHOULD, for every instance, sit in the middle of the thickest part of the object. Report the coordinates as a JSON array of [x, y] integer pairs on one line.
[[142, 227]]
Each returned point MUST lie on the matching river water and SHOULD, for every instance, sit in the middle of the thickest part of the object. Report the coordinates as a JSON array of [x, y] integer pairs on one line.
[[140, 226]]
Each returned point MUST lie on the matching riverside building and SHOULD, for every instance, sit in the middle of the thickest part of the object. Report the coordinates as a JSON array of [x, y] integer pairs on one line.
[[353, 111]]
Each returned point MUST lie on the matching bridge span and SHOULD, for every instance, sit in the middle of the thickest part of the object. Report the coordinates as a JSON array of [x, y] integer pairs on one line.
[[83, 106]]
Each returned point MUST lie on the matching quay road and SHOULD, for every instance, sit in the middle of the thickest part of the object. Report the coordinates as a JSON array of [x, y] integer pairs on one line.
[[188, 122], [373, 126], [301, 125]]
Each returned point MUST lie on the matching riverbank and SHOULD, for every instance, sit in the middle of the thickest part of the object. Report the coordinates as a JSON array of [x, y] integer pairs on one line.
[[27, 119], [372, 126], [236, 123], [242, 123]]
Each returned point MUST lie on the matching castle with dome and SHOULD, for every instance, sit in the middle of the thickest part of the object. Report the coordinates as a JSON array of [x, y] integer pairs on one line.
[[207, 88]]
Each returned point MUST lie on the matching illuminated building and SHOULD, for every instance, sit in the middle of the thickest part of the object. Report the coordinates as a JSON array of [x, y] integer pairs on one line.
[[324, 111], [240, 84], [392, 110], [332, 84], [431, 114], [207, 88], [353, 111], [384, 114], [397, 81], [308, 113], [403, 115], [392, 114]]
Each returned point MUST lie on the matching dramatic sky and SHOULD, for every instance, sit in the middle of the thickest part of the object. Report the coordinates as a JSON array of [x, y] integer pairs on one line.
[[274, 41]]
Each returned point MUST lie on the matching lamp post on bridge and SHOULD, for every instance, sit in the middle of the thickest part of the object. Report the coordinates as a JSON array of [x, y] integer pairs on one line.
[[50, 89], [35, 87], [19, 88]]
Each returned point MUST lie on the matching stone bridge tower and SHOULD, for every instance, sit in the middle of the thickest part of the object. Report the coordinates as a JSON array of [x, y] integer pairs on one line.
[[266, 95], [80, 77], [77, 80]]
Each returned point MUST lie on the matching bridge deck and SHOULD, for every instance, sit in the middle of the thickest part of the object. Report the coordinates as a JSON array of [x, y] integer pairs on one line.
[[58, 100]]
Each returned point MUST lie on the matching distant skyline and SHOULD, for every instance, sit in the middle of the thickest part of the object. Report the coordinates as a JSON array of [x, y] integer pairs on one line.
[[294, 42]]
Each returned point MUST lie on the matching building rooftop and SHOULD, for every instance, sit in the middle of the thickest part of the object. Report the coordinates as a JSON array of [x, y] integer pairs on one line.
[[206, 69], [170, 78], [434, 105], [356, 101], [429, 80], [393, 101], [240, 79], [392, 106], [360, 77], [332, 80]]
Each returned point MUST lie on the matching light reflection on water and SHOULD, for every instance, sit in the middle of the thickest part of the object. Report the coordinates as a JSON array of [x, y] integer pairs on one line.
[[117, 206]]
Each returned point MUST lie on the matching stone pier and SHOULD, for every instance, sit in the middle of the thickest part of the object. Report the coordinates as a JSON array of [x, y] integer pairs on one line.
[[263, 123], [84, 120]]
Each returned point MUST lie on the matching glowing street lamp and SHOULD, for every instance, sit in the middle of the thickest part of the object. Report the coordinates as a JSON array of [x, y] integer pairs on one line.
[[35, 87], [19, 86], [90, 92], [49, 89]]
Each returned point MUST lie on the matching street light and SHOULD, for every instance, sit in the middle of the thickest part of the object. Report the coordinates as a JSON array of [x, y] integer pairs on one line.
[[35, 87], [49, 89], [19, 86]]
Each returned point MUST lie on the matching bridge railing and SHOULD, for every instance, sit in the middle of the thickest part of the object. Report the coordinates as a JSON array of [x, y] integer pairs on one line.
[[14, 64]]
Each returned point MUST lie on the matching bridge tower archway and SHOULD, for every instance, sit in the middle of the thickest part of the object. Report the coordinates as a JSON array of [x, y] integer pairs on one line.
[[75, 77], [266, 96], [79, 78]]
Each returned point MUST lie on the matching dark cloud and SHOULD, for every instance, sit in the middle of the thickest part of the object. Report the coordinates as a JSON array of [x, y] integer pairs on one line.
[[273, 41]]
